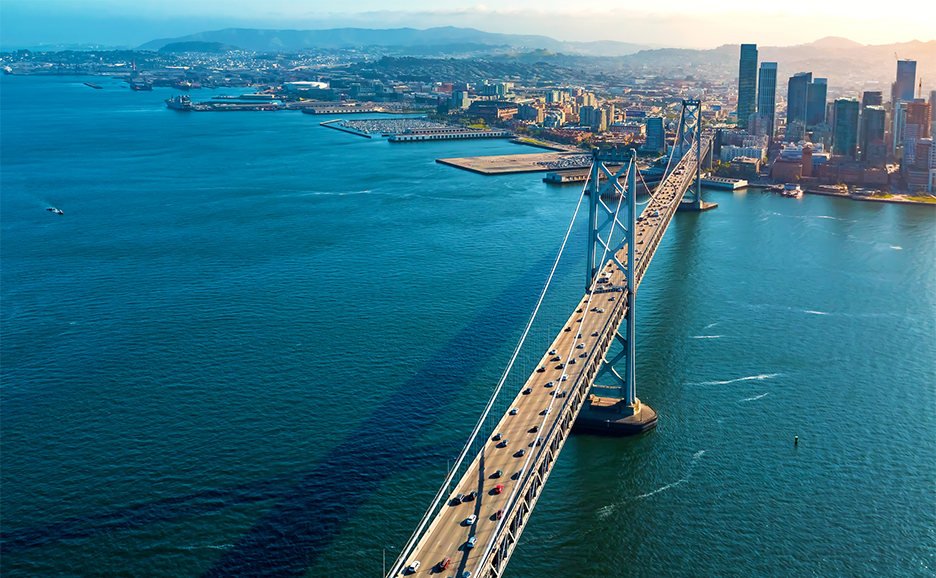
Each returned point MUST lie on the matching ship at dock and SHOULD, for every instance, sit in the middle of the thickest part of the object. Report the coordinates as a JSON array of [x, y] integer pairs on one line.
[[181, 102]]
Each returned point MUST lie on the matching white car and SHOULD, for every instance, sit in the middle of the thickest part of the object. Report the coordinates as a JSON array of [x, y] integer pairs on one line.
[[552, 352], [565, 377], [413, 567], [471, 520], [514, 411]]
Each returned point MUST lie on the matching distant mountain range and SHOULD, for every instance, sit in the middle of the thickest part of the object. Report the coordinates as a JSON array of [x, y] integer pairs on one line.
[[442, 40]]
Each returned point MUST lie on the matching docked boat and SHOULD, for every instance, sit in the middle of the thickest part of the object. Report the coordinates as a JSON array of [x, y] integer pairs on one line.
[[92, 85], [142, 86], [181, 102], [792, 190]]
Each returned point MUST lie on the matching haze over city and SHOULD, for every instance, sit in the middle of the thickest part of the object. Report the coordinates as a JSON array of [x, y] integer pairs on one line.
[[678, 23]]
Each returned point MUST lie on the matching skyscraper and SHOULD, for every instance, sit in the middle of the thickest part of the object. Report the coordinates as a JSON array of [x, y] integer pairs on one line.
[[796, 97], [845, 129], [816, 102], [906, 78], [767, 95], [747, 83], [872, 98], [932, 103], [873, 149], [655, 135]]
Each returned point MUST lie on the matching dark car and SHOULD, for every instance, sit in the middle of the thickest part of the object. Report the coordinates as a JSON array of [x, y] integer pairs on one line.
[[499, 514], [535, 429], [497, 437], [471, 496], [498, 474], [458, 499], [528, 391]]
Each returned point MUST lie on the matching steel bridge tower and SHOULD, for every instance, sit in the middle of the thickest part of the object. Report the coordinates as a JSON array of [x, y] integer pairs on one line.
[[687, 137], [605, 241]]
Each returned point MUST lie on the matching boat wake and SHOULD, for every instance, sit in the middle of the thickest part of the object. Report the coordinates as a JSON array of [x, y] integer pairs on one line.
[[704, 336], [897, 248], [606, 511], [815, 312], [755, 397], [749, 378]]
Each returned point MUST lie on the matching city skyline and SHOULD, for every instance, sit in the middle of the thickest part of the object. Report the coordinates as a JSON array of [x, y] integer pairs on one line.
[[679, 24]]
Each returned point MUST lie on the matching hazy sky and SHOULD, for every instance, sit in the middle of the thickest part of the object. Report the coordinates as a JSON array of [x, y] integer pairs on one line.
[[678, 23]]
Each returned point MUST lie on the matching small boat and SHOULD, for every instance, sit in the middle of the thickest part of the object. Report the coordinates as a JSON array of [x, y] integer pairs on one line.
[[56, 211], [144, 86], [93, 85], [792, 190]]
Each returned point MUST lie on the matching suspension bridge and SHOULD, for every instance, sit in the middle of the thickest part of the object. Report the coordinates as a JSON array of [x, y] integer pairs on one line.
[[475, 520]]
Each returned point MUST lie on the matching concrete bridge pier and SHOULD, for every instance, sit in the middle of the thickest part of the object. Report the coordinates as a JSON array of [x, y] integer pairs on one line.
[[695, 206], [614, 417]]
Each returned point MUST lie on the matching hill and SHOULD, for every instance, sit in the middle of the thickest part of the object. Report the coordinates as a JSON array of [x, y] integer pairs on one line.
[[214, 47], [295, 40]]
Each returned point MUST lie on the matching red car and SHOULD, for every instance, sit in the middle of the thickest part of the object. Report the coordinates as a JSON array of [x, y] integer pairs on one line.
[[444, 563], [500, 514], [498, 489]]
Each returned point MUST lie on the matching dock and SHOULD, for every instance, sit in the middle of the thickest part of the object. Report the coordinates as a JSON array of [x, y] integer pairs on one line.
[[724, 183], [524, 163]]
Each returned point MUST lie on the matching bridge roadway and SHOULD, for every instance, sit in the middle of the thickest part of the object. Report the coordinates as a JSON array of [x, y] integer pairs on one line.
[[580, 346]]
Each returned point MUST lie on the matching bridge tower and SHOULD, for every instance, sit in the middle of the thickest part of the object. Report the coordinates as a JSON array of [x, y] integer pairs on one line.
[[687, 138], [610, 229]]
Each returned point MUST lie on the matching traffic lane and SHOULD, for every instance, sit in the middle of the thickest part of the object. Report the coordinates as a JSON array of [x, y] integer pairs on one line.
[[453, 535]]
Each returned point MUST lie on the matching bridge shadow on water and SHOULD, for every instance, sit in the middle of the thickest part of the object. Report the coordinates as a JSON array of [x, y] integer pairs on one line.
[[310, 508]]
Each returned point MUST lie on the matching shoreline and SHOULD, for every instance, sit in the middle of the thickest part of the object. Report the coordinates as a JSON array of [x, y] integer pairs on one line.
[[850, 196]]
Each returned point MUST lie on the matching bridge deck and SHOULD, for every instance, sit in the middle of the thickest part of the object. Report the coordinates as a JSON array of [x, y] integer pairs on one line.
[[593, 323]]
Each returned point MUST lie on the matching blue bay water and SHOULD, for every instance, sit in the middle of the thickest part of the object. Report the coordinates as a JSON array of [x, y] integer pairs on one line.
[[251, 344]]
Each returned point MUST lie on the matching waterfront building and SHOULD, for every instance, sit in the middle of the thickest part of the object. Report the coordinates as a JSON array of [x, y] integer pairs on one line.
[[873, 147], [747, 83], [845, 127], [816, 93], [656, 137], [728, 153], [767, 95], [904, 86], [493, 111]]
